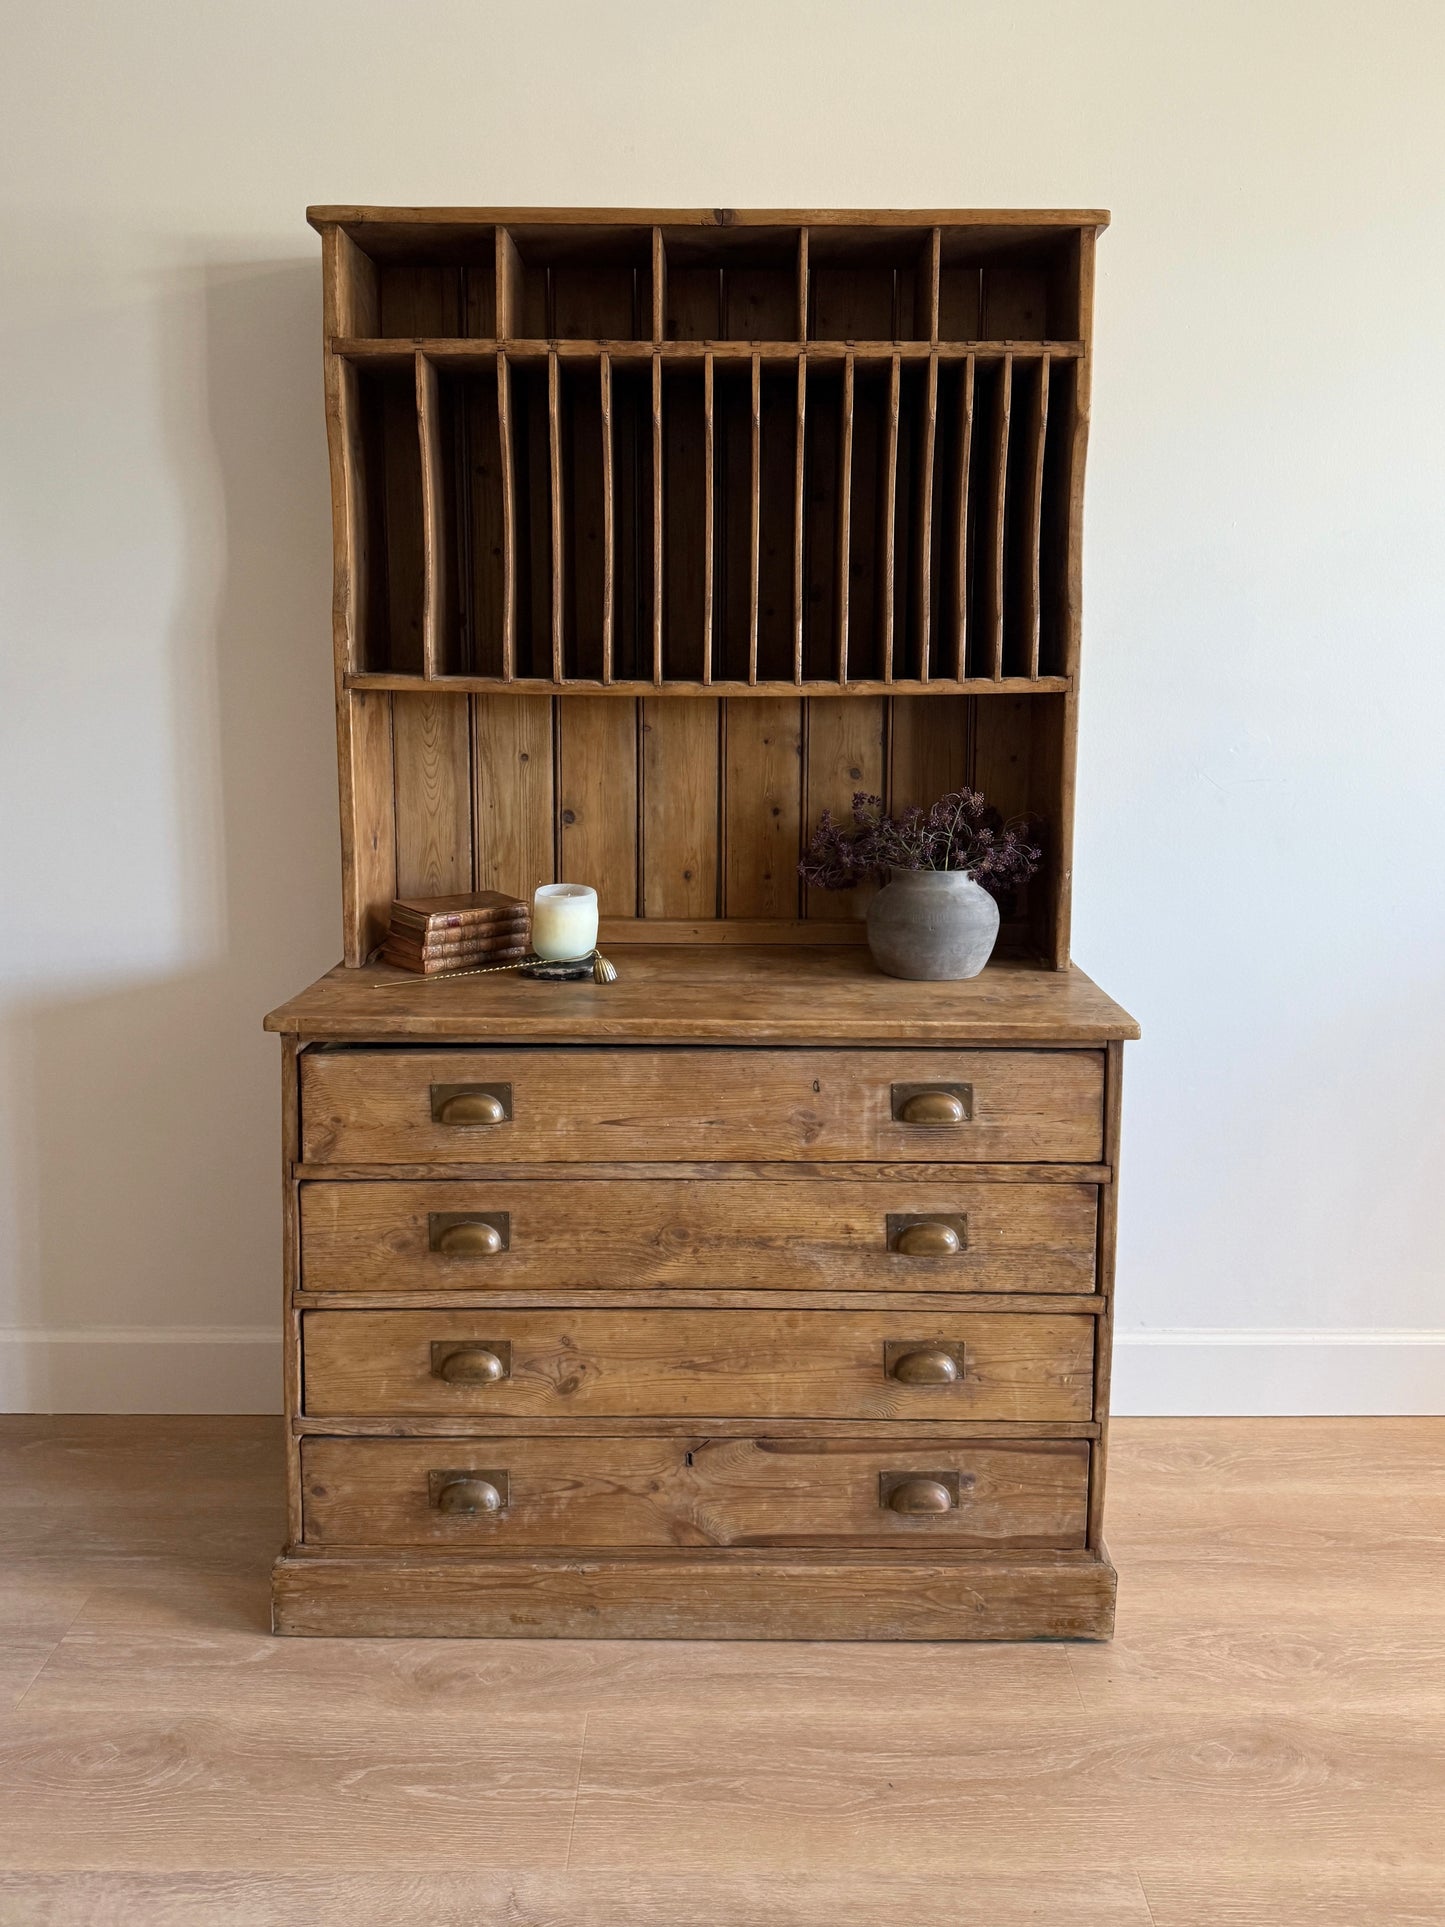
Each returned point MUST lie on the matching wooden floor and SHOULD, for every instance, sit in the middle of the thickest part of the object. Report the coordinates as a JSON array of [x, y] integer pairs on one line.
[[1262, 1745]]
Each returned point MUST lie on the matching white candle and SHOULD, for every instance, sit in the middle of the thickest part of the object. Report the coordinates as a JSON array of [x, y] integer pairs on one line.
[[564, 921]]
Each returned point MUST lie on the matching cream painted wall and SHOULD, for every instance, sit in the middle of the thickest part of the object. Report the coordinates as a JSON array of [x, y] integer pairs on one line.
[[1263, 788]]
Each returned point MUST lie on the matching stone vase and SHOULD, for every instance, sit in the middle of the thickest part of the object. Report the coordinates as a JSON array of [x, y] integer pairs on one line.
[[932, 924]]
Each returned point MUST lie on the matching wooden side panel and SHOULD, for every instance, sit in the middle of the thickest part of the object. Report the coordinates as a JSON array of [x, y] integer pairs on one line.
[[681, 830], [513, 801], [845, 754], [432, 738], [368, 823], [597, 798], [762, 805], [696, 1492]]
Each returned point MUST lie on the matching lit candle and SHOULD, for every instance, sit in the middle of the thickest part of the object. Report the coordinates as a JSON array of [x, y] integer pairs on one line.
[[564, 921]]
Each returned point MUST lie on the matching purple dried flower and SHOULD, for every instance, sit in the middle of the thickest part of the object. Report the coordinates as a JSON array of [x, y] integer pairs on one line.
[[961, 831]]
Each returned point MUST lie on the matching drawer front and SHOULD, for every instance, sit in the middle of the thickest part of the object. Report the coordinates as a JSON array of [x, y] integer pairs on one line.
[[637, 1492], [680, 1106], [685, 1364], [865, 1234]]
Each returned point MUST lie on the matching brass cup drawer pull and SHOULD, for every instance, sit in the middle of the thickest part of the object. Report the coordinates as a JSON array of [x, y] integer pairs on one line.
[[486, 1361], [469, 1492], [469, 1234], [919, 1362], [935, 1106], [918, 1494], [925, 1237], [463, 1105]]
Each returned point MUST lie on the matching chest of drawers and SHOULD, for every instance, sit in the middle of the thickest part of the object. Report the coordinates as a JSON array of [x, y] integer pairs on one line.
[[746, 1297]]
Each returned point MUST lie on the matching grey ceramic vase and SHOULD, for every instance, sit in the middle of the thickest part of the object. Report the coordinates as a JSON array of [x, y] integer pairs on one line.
[[932, 924]]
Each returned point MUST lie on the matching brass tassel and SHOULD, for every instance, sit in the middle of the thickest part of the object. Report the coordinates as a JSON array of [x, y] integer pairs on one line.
[[603, 972]]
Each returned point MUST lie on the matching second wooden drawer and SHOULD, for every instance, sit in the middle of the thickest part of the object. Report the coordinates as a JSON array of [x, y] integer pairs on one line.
[[684, 1364], [868, 1234]]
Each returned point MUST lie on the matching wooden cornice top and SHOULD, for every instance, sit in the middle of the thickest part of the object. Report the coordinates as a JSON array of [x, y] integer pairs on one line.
[[712, 993]]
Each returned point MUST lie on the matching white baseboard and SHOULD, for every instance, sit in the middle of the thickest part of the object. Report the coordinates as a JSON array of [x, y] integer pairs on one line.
[[1157, 1374], [1278, 1374], [141, 1368]]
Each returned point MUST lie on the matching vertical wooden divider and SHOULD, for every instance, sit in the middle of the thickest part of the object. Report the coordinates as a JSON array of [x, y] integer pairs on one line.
[[961, 571], [934, 283], [554, 442], [509, 286], [799, 508], [597, 798], [802, 285], [755, 512], [889, 544], [513, 789], [657, 558], [845, 514], [659, 285], [1038, 428], [709, 515], [1082, 318], [923, 552], [998, 503], [509, 518], [433, 530], [609, 532]]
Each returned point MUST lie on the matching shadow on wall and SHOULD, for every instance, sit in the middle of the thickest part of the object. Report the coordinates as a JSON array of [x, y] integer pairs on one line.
[[148, 1114]]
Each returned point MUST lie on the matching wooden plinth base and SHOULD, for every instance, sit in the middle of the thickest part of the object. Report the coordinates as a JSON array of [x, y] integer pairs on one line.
[[696, 1596]]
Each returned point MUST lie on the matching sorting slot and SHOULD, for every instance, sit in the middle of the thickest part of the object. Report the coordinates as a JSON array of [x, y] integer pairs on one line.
[[821, 521], [632, 528], [532, 495], [685, 524], [385, 451], [470, 519], [870, 284], [579, 284], [734, 284], [448, 292]]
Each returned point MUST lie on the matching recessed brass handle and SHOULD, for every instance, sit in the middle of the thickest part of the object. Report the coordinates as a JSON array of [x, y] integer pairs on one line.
[[471, 1104], [929, 1238], [470, 1240], [484, 1362], [915, 1493], [923, 1364], [935, 1107], [469, 1234], [469, 1492]]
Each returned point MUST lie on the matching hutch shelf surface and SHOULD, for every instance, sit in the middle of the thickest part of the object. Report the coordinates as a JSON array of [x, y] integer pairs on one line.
[[756, 1294]]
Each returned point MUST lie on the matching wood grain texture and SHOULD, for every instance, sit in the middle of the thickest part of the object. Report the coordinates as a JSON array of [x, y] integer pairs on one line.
[[800, 1364], [432, 747], [762, 805], [725, 993], [1259, 1744], [513, 793], [699, 1492], [845, 754], [597, 799], [681, 829], [1031, 1106], [623, 1234]]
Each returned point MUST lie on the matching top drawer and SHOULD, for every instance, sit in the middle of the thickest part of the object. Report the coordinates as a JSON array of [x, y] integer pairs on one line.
[[521, 1106]]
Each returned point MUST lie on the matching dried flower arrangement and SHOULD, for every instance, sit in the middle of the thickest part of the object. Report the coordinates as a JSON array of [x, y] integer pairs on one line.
[[960, 832]]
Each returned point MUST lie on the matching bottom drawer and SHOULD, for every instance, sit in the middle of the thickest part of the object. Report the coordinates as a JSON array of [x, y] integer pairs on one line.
[[636, 1491]]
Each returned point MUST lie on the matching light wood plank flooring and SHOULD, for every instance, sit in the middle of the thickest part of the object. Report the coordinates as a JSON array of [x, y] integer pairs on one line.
[[1264, 1742]]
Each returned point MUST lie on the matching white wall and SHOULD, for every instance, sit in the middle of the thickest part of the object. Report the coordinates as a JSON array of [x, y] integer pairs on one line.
[[1259, 868]]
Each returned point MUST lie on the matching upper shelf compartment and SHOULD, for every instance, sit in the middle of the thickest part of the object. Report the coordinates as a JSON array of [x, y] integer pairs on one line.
[[660, 277]]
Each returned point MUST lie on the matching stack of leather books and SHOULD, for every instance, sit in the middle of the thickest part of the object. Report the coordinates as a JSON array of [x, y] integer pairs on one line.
[[434, 935]]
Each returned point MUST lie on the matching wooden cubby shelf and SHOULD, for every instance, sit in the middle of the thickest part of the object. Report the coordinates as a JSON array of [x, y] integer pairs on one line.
[[587, 463]]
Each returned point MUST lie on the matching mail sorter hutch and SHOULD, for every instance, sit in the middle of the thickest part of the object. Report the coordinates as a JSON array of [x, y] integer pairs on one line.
[[756, 1294]]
